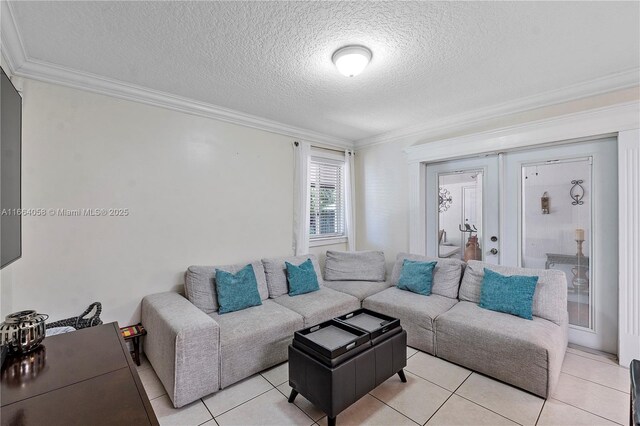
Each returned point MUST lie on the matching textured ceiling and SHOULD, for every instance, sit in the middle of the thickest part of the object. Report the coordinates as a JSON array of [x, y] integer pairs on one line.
[[273, 59]]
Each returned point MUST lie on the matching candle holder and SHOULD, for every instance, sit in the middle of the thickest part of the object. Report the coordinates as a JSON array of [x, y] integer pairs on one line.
[[580, 279]]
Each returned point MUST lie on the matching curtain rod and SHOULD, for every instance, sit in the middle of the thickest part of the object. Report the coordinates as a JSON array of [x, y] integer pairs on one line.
[[296, 143]]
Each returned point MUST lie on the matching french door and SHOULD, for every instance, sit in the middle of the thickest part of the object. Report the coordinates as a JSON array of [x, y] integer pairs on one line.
[[556, 208], [463, 196]]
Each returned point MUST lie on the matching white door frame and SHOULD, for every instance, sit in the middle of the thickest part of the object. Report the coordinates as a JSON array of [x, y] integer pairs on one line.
[[490, 181], [623, 121]]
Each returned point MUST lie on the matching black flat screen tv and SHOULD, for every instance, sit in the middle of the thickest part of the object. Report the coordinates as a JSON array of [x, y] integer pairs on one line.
[[10, 172]]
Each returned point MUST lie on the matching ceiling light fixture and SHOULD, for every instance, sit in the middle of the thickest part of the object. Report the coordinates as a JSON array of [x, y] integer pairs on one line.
[[351, 60]]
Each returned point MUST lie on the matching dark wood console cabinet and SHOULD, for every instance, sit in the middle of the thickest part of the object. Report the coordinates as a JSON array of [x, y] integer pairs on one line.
[[81, 378]]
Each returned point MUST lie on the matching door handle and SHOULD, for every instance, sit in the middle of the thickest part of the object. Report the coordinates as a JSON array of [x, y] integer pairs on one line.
[[493, 251]]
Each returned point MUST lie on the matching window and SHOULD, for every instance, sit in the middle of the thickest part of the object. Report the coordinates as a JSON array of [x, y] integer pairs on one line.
[[326, 197]]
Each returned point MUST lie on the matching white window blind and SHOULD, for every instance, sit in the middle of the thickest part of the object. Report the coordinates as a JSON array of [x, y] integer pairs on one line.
[[326, 193]]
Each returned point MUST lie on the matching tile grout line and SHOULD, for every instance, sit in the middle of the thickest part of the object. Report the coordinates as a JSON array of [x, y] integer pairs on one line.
[[441, 405], [478, 404], [236, 406], [287, 397], [272, 388], [540, 413], [434, 383], [153, 399], [591, 381], [598, 360], [301, 410], [587, 411], [397, 411], [207, 408], [275, 386], [416, 351], [489, 409], [448, 398]]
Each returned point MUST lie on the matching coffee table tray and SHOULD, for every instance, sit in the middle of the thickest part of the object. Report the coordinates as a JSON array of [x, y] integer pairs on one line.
[[332, 338], [376, 324]]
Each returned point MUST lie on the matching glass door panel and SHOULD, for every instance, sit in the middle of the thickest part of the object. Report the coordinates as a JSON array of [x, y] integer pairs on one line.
[[556, 227], [462, 209], [460, 215], [545, 229]]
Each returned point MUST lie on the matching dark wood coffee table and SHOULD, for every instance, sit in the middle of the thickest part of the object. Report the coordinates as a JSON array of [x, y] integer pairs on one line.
[[81, 378]]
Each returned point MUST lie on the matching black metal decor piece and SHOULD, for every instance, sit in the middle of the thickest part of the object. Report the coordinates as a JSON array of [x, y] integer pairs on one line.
[[80, 321], [577, 192], [444, 199]]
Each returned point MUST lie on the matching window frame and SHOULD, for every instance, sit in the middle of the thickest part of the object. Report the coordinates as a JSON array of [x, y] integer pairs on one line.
[[318, 155]]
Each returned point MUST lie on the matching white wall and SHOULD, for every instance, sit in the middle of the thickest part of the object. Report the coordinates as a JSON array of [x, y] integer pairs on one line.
[[382, 204], [199, 191]]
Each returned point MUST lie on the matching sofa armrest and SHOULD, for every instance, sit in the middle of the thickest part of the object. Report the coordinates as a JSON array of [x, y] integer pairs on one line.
[[183, 345]]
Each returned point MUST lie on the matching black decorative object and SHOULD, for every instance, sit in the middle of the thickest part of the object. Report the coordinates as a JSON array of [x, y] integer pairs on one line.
[[444, 200], [80, 321], [577, 192], [468, 228]]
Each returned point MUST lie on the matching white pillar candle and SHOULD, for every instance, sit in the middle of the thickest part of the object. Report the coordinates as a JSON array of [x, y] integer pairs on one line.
[[580, 234]]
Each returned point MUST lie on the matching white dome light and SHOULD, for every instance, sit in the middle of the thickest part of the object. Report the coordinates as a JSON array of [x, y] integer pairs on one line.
[[351, 60]]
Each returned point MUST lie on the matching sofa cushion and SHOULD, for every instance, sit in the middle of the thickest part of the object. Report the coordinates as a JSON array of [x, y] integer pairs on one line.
[[319, 306], [200, 287], [302, 278], [446, 274], [512, 294], [254, 339], [276, 272], [524, 353], [416, 276], [415, 312], [359, 289], [354, 266], [237, 291], [549, 299]]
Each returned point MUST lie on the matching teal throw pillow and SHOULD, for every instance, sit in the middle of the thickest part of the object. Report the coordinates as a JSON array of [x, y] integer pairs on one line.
[[417, 276], [509, 294], [302, 278], [237, 291]]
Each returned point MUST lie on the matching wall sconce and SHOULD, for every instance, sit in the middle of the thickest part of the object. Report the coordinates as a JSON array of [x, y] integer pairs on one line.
[[544, 203], [577, 192]]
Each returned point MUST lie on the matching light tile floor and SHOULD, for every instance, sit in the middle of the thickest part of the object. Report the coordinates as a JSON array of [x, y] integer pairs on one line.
[[593, 390]]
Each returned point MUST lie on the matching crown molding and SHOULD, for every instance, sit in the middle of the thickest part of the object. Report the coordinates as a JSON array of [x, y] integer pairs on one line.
[[50, 73], [610, 83], [21, 65], [11, 45], [583, 124]]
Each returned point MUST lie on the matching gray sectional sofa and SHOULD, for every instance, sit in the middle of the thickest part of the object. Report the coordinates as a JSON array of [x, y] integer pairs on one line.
[[450, 325], [196, 351]]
